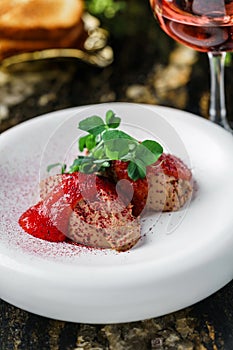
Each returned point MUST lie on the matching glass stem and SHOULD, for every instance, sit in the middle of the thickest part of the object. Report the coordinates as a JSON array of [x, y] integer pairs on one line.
[[217, 109]]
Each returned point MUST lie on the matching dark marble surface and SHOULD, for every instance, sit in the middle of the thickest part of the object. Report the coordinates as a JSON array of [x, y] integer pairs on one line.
[[148, 67]]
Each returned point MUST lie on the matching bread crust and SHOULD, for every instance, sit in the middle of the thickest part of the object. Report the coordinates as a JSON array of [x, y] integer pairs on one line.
[[38, 19], [73, 39]]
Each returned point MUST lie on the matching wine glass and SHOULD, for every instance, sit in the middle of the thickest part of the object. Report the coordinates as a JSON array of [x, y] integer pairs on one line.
[[206, 26]]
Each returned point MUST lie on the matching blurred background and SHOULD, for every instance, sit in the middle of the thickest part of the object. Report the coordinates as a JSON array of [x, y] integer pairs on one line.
[[147, 66]]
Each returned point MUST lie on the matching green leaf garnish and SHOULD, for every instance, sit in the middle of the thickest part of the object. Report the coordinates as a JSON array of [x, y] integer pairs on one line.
[[115, 135], [117, 144], [111, 120], [135, 171], [55, 165], [105, 143], [148, 152], [116, 149], [93, 125]]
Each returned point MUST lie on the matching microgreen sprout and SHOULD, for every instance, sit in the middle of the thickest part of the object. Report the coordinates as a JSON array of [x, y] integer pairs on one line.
[[104, 143]]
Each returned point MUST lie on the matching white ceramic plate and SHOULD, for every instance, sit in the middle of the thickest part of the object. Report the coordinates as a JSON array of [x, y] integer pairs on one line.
[[182, 258]]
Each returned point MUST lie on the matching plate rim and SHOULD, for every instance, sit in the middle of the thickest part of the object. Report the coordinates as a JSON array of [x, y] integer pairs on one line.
[[75, 109]]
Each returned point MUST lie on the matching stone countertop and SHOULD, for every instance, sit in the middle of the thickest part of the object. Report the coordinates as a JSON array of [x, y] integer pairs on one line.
[[148, 67]]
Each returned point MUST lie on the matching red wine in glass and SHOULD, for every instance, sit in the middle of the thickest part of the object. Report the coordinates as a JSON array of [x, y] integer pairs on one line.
[[206, 26]]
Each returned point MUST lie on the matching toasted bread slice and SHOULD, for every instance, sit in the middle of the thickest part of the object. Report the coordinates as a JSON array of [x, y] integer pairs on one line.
[[73, 39], [38, 19]]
